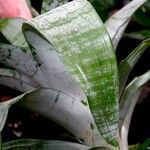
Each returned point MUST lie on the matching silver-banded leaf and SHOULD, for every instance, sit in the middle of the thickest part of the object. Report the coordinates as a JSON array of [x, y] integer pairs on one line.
[[16, 80], [130, 61], [12, 31], [118, 22], [28, 144], [127, 105], [16, 57], [66, 111], [79, 36], [48, 5]]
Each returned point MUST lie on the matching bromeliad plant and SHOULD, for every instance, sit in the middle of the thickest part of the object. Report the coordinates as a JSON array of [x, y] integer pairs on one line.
[[64, 45]]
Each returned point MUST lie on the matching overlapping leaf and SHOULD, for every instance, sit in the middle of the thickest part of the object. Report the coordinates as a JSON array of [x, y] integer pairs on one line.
[[86, 50]]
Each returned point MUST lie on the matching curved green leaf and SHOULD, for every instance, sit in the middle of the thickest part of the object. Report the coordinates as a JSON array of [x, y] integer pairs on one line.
[[127, 104], [28, 144], [129, 62], [117, 23], [87, 52]]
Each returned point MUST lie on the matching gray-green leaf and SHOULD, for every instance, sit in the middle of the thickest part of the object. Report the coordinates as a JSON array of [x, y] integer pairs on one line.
[[87, 52], [117, 23]]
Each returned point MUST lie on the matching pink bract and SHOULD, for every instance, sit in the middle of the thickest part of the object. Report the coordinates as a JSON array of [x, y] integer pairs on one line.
[[14, 8]]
